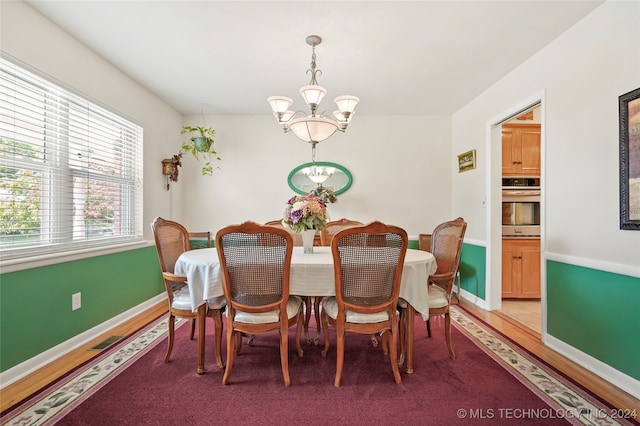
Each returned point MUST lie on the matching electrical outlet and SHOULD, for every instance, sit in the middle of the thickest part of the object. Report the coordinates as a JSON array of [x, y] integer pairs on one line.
[[76, 301]]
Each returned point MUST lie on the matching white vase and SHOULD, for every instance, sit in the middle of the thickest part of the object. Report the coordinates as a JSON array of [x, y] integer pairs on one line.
[[307, 240]]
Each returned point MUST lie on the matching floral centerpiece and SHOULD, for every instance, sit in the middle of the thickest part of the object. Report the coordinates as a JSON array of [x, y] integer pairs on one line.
[[305, 212]]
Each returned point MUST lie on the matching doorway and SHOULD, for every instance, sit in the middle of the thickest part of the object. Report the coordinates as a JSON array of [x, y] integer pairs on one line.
[[529, 312]]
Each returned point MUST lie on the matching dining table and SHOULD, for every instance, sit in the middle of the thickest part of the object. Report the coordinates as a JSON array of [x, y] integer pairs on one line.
[[312, 274]]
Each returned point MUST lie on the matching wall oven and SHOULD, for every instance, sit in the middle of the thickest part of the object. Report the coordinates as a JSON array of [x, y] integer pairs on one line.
[[521, 207]]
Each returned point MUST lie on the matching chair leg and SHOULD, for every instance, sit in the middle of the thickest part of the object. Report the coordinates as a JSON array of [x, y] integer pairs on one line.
[[193, 328], [339, 354], [402, 335], [306, 301], [385, 342], [456, 283], [325, 327], [428, 328], [238, 342], [393, 351], [231, 339], [316, 311], [299, 323], [447, 334], [284, 354], [172, 331], [374, 341]]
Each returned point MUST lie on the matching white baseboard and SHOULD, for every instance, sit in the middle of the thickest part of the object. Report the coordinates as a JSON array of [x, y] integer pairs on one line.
[[473, 299], [33, 364], [605, 371]]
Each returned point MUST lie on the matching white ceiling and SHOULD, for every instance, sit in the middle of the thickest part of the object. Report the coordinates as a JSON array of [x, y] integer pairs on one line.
[[399, 57]]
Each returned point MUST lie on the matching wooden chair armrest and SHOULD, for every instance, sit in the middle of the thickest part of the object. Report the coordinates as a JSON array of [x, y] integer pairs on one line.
[[173, 277], [445, 281]]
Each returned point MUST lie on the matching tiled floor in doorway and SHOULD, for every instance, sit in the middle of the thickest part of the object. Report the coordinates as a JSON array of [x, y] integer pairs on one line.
[[527, 312]]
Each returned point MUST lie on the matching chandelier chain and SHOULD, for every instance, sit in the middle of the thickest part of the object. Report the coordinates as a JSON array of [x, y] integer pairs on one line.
[[313, 69]]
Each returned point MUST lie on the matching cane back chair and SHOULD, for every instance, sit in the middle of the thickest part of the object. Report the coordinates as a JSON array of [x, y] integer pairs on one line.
[[172, 239], [255, 261], [367, 279], [446, 247]]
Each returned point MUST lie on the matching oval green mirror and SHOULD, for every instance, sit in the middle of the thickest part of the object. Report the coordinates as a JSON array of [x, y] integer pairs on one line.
[[339, 179]]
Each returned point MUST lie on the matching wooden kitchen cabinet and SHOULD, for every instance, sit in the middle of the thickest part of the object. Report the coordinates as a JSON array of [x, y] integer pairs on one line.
[[520, 268], [521, 150]]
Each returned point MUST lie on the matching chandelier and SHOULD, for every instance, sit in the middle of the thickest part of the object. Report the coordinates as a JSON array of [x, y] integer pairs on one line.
[[313, 128]]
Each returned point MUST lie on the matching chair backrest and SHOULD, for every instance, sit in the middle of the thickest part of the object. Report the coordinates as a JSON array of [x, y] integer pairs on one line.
[[297, 238], [172, 239], [368, 277], [334, 227], [424, 242], [446, 245], [203, 240], [255, 261]]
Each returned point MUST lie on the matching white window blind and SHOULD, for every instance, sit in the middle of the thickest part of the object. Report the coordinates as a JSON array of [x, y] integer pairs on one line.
[[70, 171]]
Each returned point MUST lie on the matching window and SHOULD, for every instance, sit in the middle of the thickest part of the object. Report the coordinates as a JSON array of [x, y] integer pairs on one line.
[[70, 171]]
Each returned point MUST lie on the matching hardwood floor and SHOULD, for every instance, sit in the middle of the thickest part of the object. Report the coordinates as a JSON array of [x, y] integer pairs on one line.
[[526, 312], [21, 389], [16, 392]]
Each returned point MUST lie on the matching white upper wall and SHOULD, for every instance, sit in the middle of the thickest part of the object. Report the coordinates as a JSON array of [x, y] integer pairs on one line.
[[581, 74], [44, 48], [401, 170]]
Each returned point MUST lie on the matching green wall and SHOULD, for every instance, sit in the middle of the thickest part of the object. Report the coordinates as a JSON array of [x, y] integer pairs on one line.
[[473, 261], [35, 304], [596, 312]]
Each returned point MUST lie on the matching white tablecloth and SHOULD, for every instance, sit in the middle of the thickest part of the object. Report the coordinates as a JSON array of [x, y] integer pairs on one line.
[[311, 275]]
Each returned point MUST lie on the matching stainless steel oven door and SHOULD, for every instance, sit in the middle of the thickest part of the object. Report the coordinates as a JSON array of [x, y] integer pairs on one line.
[[521, 213]]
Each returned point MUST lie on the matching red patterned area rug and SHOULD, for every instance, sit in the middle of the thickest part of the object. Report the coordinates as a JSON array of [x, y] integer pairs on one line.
[[492, 381]]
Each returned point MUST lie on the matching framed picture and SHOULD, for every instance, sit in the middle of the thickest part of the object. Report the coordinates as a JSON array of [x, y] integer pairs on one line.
[[629, 110], [467, 161]]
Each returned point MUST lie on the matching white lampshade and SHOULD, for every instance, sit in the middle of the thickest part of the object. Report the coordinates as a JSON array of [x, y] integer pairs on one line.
[[279, 104], [313, 129], [347, 103], [312, 94]]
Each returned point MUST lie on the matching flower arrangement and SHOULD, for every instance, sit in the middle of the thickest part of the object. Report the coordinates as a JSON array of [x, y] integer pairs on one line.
[[304, 212], [325, 195]]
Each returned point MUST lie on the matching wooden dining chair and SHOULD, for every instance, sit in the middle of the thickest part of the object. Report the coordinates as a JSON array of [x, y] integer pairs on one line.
[[335, 226], [367, 280], [172, 239], [424, 243], [326, 235], [199, 240], [446, 247], [255, 263]]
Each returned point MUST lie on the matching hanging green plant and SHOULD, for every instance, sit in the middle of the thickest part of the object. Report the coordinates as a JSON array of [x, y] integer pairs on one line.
[[200, 144]]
